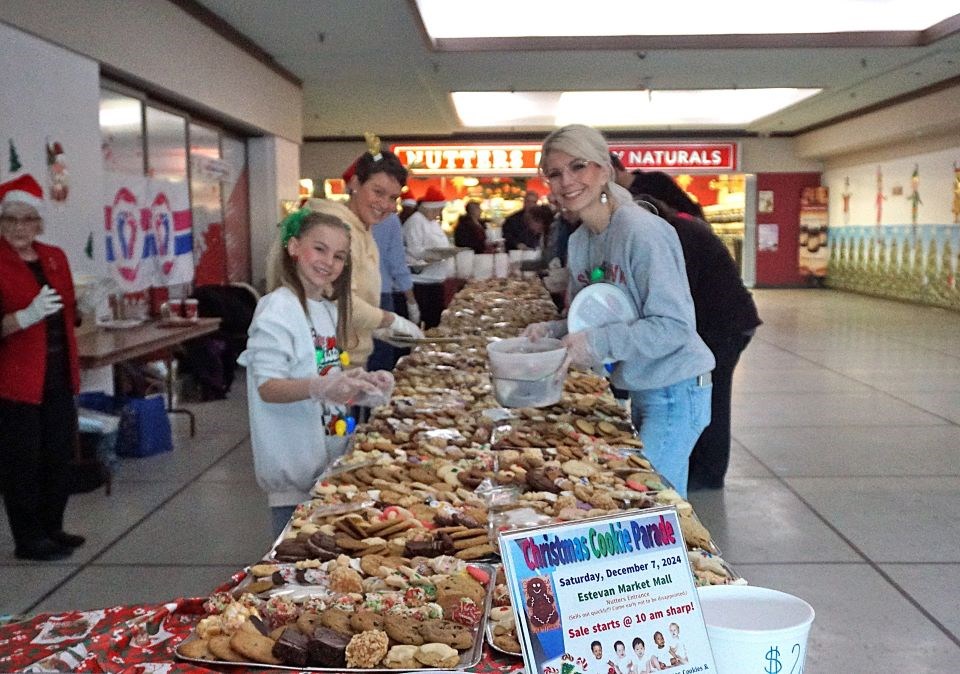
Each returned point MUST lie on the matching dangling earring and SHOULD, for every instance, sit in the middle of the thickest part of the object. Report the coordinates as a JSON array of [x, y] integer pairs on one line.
[[603, 197]]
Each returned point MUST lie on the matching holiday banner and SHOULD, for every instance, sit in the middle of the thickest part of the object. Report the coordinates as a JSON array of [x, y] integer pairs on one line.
[[148, 231], [610, 594]]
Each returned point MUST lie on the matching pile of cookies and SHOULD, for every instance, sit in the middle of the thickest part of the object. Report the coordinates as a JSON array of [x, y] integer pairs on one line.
[[375, 612], [380, 569]]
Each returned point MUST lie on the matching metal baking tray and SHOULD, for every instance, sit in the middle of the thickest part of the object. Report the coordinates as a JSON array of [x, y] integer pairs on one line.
[[468, 658]]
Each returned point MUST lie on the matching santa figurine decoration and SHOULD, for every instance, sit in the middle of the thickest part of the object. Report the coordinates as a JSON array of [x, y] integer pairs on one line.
[[57, 167]]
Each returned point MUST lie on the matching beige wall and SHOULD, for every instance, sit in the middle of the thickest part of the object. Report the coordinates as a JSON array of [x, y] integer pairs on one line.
[[162, 45]]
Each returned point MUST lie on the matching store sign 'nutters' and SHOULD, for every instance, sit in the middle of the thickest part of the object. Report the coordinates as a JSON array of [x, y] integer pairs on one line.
[[524, 159]]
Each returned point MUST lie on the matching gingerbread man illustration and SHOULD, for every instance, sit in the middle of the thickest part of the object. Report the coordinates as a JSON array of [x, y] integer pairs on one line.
[[541, 605]]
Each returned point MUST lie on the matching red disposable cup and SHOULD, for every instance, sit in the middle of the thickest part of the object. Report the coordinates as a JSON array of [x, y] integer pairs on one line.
[[191, 309]]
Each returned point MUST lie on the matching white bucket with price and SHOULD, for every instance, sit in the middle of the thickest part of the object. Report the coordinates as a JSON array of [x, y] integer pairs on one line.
[[755, 630]]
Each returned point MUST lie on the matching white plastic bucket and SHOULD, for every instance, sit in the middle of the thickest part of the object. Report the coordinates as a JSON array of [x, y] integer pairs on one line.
[[483, 266], [501, 265], [464, 263], [755, 630], [525, 373]]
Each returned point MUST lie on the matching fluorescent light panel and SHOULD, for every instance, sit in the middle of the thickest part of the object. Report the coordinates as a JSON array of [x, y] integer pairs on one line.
[[634, 109], [559, 18]]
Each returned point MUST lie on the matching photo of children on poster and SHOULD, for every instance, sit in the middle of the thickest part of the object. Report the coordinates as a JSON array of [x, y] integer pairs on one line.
[[612, 595]]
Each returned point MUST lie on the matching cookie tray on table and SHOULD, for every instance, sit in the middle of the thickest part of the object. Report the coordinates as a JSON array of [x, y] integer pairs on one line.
[[468, 658]]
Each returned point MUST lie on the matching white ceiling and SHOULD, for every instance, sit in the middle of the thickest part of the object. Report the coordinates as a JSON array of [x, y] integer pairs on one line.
[[366, 65]]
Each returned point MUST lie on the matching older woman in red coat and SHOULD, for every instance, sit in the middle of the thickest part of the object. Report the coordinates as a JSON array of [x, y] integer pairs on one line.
[[39, 377]]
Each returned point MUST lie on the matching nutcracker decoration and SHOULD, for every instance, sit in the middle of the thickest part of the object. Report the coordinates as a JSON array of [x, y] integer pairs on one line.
[[57, 170]]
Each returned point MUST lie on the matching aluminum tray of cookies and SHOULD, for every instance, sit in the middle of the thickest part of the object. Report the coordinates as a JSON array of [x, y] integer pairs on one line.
[[370, 615]]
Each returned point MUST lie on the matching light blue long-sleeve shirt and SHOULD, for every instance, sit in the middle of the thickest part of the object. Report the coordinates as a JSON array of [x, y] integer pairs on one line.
[[394, 272]]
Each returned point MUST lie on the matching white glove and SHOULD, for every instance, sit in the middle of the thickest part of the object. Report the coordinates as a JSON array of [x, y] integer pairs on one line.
[[535, 331], [384, 382], [400, 332], [579, 351], [413, 312], [341, 387], [46, 302]]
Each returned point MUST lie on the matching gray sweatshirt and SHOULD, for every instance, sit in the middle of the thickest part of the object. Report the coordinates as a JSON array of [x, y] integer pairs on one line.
[[641, 255]]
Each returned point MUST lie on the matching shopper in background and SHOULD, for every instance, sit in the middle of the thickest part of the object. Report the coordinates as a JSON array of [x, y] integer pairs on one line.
[[656, 183], [537, 221], [515, 231], [39, 377], [408, 205], [396, 288], [727, 319], [471, 231], [659, 358], [374, 189], [421, 233], [298, 389]]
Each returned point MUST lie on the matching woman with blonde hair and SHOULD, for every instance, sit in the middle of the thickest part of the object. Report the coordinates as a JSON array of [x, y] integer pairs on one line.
[[658, 357]]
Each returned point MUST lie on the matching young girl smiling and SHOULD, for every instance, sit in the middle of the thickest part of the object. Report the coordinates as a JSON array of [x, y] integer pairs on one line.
[[298, 389]]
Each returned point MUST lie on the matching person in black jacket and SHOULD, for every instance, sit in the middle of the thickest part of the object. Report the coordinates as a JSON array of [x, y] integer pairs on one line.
[[727, 319], [657, 184]]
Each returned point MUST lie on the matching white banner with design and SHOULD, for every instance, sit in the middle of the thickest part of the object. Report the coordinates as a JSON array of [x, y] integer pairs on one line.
[[148, 231]]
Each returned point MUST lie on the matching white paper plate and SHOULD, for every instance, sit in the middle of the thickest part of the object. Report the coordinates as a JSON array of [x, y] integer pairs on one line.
[[599, 304]]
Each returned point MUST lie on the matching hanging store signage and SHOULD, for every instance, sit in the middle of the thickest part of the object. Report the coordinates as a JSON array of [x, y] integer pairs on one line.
[[682, 157], [502, 159], [496, 160]]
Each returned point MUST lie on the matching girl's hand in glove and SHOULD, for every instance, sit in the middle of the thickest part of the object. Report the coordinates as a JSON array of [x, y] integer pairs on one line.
[[342, 387], [383, 381], [47, 302], [536, 331], [579, 351]]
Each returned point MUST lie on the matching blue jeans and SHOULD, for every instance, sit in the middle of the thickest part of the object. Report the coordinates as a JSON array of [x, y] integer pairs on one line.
[[670, 419]]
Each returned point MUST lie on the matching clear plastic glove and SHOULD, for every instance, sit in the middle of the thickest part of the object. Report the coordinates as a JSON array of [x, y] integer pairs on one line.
[[400, 332], [342, 387], [535, 331], [47, 302], [413, 312], [384, 382], [579, 351]]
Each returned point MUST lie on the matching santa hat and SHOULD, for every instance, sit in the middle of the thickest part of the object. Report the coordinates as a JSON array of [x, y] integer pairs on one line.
[[24, 189], [350, 171], [408, 199], [433, 198]]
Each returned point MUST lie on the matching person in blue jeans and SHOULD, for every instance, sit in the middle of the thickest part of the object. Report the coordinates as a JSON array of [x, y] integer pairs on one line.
[[658, 358]]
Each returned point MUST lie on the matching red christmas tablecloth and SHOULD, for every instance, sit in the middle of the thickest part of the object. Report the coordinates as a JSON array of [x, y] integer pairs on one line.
[[137, 639]]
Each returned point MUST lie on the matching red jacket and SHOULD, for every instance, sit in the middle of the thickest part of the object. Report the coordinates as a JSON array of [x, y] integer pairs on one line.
[[23, 354]]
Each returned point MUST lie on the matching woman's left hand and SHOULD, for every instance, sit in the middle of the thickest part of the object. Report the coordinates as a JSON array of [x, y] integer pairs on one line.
[[579, 351]]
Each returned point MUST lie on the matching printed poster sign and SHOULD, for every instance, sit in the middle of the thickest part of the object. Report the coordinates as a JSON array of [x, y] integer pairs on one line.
[[148, 231], [611, 595], [814, 251]]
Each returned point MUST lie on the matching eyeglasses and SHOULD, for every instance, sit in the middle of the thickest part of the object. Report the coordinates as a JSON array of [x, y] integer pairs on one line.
[[11, 221], [576, 168]]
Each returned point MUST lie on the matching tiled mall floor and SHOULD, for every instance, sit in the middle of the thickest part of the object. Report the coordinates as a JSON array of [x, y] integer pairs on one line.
[[844, 490]]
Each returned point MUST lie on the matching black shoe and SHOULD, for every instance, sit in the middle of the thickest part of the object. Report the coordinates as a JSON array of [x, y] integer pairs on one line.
[[67, 540], [43, 550]]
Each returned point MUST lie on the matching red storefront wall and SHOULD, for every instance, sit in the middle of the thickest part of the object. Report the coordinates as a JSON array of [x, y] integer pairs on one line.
[[781, 267]]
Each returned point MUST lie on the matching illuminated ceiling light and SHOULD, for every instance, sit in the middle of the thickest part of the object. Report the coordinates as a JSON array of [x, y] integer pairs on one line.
[[634, 109], [444, 19]]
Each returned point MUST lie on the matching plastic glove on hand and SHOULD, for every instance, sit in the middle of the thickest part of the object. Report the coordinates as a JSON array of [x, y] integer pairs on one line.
[[383, 381], [413, 311], [537, 331], [399, 333], [47, 302], [579, 351], [341, 387]]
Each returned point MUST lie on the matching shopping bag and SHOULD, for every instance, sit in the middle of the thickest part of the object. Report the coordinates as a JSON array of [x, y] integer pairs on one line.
[[144, 427]]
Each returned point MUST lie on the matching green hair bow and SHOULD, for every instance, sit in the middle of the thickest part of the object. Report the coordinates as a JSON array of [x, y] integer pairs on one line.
[[290, 225]]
